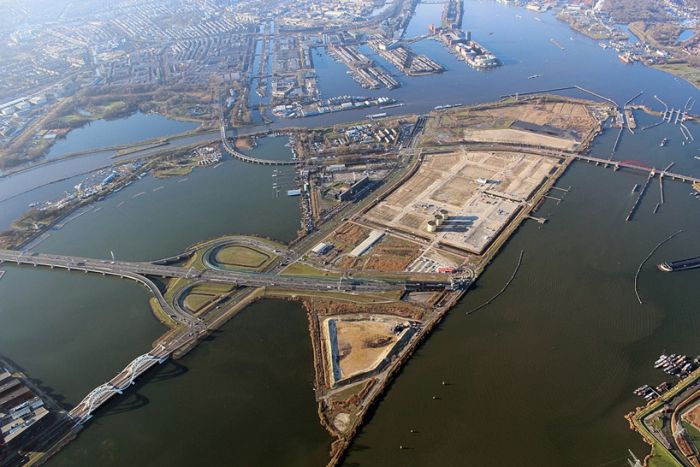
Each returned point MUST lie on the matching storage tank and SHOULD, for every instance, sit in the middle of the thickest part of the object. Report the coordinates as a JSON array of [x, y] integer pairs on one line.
[[432, 226], [437, 219]]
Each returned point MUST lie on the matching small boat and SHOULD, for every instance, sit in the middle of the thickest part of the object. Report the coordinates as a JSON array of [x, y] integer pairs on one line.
[[663, 143], [533, 76], [660, 361]]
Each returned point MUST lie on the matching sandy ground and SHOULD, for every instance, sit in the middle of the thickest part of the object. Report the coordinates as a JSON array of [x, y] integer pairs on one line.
[[508, 135], [363, 344], [480, 191], [693, 416]]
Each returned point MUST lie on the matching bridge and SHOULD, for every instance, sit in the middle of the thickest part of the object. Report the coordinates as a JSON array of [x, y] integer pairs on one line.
[[602, 161], [140, 270], [82, 412], [636, 165], [252, 160], [191, 327]]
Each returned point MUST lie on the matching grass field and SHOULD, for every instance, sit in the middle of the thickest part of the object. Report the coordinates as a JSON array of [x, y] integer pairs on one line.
[[199, 296], [242, 257], [195, 302], [303, 269], [683, 70]]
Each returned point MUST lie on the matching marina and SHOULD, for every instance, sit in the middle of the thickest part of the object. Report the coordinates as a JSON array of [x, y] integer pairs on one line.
[[678, 366]]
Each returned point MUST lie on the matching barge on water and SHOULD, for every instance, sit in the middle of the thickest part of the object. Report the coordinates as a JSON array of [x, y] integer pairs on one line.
[[680, 265]]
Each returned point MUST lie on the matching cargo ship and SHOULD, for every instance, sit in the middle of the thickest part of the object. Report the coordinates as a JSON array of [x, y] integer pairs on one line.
[[680, 265]]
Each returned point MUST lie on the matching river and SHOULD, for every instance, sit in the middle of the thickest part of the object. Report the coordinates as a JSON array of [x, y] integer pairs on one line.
[[103, 133], [541, 377]]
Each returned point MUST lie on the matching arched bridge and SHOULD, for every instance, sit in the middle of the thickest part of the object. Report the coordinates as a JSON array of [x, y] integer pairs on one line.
[[125, 378], [252, 160]]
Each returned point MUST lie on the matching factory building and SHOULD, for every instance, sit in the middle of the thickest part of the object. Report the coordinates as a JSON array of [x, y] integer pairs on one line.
[[356, 190]]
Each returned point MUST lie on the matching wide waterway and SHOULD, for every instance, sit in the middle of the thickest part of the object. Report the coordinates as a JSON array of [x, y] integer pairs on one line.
[[541, 377], [102, 133]]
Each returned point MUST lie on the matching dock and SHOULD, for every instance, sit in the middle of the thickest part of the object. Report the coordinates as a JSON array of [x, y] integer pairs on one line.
[[540, 220], [639, 198], [617, 141]]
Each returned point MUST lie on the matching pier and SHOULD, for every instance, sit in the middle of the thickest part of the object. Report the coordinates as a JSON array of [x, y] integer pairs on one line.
[[617, 141], [639, 198], [540, 220]]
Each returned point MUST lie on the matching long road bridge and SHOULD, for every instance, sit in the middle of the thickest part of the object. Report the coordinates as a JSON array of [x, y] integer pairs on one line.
[[191, 327], [135, 270], [602, 161]]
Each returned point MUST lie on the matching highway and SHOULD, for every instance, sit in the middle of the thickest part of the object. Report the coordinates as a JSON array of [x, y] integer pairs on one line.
[[238, 278]]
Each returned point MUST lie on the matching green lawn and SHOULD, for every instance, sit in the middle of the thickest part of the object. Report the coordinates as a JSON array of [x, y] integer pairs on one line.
[[303, 269], [683, 70], [242, 257], [195, 302]]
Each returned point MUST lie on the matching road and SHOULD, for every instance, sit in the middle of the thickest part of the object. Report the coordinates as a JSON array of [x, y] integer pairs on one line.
[[238, 278]]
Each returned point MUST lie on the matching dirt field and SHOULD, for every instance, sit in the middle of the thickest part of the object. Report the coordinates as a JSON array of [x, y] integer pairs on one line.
[[362, 345], [693, 416], [347, 236], [479, 190], [391, 254], [572, 117], [508, 135]]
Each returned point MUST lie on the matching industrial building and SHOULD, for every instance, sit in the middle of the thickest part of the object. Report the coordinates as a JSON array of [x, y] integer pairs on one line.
[[20, 408], [357, 190], [322, 248]]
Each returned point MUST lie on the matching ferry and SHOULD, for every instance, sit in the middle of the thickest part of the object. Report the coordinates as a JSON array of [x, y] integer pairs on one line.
[[663, 142]]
